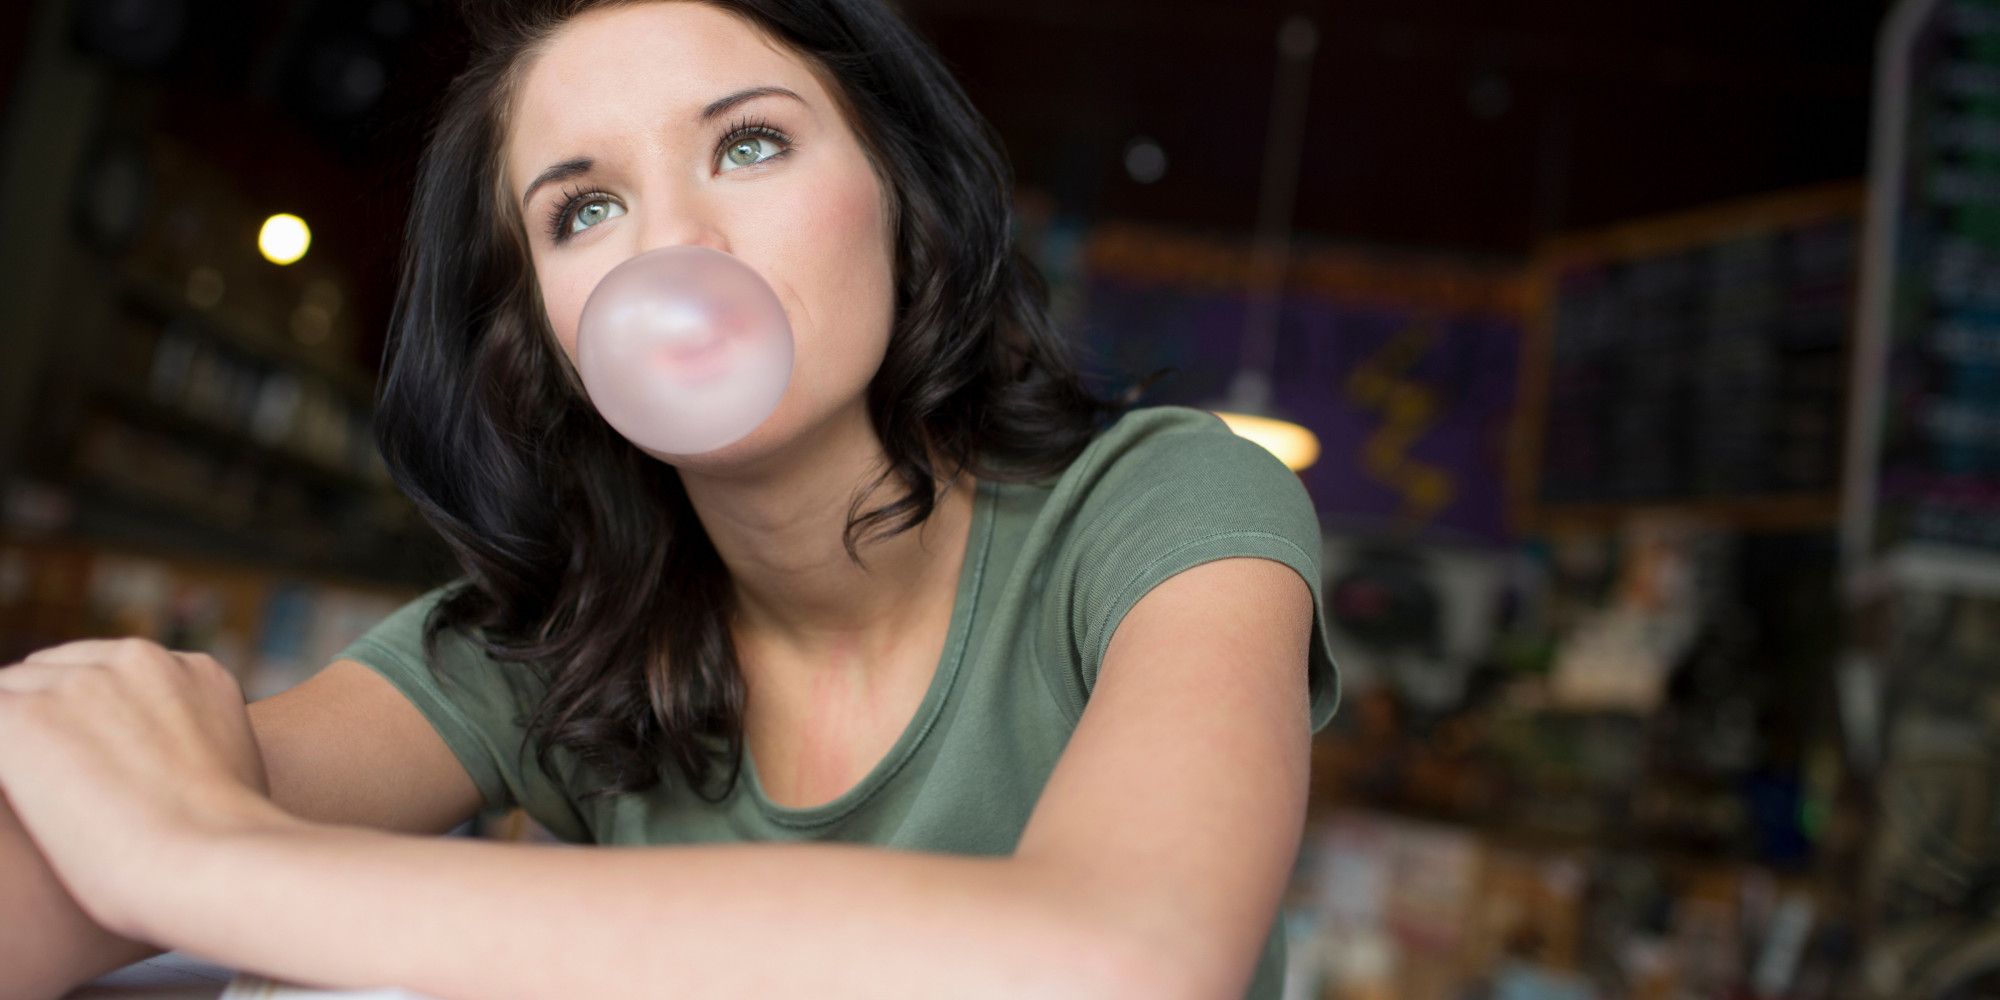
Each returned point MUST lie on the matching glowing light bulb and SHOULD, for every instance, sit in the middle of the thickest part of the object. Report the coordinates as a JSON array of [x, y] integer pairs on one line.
[[284, 238], [1294, 445]]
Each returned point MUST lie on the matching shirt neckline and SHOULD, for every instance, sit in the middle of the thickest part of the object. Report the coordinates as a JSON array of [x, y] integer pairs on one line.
[[971, 571]]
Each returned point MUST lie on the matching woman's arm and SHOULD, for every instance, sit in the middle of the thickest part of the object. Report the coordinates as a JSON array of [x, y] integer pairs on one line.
[[1152, 865], [47, 943], [349, 907], [327, 746]]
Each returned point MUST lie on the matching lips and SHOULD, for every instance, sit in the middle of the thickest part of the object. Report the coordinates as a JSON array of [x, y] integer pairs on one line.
[[696, 361]]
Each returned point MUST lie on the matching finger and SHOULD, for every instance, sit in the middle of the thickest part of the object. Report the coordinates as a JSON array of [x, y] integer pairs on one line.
[[131, 655], [126, 654], [81, 649], [196, 658], [24, 677]]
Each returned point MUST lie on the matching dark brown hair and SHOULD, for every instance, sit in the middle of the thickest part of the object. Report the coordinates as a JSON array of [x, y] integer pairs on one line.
[[581, 555]]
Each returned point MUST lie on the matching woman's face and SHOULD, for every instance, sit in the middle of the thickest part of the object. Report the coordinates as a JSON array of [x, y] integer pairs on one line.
[[639, 111]]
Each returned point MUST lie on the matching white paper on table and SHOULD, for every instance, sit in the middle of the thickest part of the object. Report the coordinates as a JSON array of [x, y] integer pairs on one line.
[[166, 976], [250, 986]]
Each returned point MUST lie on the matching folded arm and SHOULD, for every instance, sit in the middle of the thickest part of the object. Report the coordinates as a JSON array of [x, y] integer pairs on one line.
[[349, 907], [1152, 865]]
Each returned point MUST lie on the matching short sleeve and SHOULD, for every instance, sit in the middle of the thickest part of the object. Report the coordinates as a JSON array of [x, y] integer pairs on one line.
[[477, 705], [1167, 489]]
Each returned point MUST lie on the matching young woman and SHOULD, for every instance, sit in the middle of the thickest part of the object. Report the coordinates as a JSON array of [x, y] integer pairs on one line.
[[948, 680]]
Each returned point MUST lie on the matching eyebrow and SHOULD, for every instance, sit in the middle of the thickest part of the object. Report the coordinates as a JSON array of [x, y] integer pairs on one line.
[[582, 164]]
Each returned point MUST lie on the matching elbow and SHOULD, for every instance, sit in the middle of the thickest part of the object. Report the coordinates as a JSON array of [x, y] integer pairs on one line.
[[1102, 962], [1093, 942]]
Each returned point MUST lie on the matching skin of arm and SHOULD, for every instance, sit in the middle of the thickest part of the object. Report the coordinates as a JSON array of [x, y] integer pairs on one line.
[[1152, 866], [49, 944]]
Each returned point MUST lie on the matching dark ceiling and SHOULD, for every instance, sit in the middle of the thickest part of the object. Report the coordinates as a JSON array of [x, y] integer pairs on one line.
[[1474, 127]]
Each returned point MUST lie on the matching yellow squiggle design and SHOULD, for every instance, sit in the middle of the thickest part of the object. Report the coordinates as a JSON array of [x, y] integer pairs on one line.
[[1409, 409]]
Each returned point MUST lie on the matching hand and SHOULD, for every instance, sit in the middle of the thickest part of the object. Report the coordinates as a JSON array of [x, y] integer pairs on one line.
[[118, 755]]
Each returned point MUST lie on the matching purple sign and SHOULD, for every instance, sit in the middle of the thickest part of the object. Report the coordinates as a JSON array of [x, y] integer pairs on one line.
[[1412, 406]]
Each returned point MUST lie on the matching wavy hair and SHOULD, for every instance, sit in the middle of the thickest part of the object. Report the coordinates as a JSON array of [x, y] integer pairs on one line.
[[581, 555]]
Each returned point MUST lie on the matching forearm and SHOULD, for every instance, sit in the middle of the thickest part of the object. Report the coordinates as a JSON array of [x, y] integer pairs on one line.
[[47, 943], [348, 907]]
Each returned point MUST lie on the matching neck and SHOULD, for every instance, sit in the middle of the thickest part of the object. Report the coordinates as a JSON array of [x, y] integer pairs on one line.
[[779, 532]]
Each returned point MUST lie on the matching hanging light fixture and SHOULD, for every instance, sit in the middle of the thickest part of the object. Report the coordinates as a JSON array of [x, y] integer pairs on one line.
[[1248, 409], [1294, 445]]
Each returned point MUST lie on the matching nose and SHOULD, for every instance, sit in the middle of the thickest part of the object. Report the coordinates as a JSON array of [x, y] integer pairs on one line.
[[687, 223]]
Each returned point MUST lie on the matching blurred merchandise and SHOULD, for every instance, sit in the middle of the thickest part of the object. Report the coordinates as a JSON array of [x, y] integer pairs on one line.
[[1924, 493], [1419, 617], [1667, 592], [1600, 761], [1412, 909], [1933, 874], [264, 626], [1920, 680], [208, 402]]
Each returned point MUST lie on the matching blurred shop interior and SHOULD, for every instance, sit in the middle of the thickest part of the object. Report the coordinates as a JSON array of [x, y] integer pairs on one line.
[[1648, 358]]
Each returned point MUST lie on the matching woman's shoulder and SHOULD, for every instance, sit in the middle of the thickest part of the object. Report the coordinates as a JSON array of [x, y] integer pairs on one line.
[[1177, 450], [1165, 482], [478, 704], [404, 627], [452, 654], [1143, 425], [1162, 490]]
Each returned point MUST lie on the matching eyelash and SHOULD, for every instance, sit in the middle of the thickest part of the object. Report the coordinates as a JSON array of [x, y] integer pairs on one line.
[[559, 217]]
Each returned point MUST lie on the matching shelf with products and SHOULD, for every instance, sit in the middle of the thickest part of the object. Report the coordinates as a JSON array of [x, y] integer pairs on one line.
[[1664, 690], [271, 625], [165, 436], [1586, 845], [230, 373], [165, 430], [1385, 905], [1770, 819], [119, 514], [135, 482], [159, 297], [219, 437]]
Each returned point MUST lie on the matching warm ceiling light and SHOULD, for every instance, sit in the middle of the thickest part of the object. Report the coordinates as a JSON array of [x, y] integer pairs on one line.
[[1294, 445], [284, 238]]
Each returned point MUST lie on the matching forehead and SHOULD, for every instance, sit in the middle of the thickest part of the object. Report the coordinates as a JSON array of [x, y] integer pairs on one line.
[[645, 68]]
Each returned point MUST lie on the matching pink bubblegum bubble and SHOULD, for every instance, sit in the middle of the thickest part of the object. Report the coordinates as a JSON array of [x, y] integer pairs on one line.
[[684, 349]]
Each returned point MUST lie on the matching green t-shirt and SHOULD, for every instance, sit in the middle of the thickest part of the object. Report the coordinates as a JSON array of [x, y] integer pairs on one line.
[[1050, 570]]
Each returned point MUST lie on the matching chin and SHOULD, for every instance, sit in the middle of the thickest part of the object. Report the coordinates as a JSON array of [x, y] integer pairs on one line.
[[771, 443]]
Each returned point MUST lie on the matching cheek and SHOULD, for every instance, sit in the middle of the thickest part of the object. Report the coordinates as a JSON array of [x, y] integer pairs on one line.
[[863, 277], [563, 295], [832, 268], [863, 219]]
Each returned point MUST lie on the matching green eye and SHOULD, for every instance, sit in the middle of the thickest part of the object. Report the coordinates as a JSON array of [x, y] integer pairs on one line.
[[590, 212], [745, 141], [745, 153], [749, 143], [740, 147]]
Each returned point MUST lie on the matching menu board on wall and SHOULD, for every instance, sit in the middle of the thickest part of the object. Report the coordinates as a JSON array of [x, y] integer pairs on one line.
[[1924, 496], [1698, 360]]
